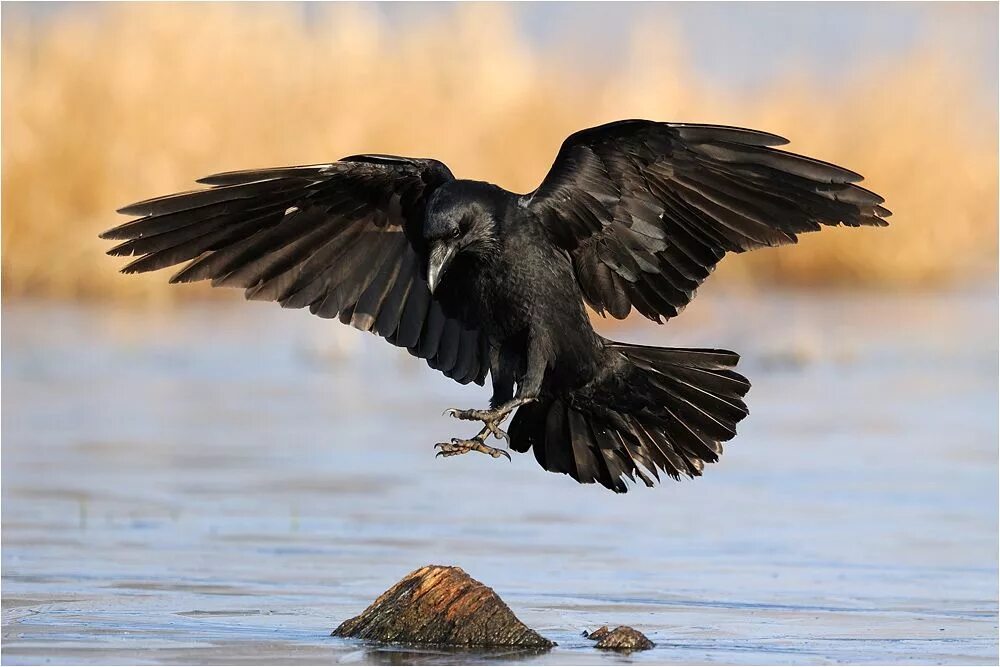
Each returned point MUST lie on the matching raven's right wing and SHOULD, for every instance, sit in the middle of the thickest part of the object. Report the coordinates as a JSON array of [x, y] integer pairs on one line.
[[647, 209], [343, 239]]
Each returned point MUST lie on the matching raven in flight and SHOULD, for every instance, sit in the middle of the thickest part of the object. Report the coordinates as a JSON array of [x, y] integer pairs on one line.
[[477, 280]]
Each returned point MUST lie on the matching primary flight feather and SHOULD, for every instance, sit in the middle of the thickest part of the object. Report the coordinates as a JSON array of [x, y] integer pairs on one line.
[[480, 281]]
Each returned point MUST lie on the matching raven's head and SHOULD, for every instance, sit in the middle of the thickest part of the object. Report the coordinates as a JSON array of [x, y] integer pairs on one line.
[[462, 219]]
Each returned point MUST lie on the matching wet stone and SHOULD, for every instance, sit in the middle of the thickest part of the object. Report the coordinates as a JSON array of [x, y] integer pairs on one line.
[[441, 605], [622, 638]]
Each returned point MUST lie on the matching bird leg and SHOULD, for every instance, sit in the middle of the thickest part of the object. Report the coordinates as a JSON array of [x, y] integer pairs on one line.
[[478, 444], [491, 418]]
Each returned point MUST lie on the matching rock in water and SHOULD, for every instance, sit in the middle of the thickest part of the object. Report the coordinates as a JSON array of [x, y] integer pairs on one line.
[[622, 638], [598, 634], [441, 605]]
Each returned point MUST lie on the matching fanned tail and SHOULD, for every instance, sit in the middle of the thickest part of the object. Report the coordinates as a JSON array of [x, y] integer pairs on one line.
[[655, 410]]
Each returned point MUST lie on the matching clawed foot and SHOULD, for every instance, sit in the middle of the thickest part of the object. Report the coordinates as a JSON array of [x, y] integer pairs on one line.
[[458, 446], [491, 418]]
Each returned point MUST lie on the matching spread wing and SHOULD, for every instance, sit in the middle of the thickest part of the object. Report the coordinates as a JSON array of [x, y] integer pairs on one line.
[[648, 209], [343, 239]]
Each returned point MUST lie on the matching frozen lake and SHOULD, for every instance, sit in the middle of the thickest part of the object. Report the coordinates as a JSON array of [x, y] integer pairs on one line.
[[226, 482]]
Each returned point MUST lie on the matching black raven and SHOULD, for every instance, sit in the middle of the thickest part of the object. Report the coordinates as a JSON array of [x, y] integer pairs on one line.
[[475, 279]]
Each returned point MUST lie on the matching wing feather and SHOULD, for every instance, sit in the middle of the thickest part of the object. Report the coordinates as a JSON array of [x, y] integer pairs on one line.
[[648, 209], [343, 239]]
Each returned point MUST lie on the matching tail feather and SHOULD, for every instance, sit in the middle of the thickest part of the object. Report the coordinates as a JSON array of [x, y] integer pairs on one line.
[[664, 456], [557, 457], [589, 464], [662, 410]]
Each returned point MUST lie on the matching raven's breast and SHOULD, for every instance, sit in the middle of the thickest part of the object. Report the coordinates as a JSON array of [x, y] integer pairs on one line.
[[531, 292]]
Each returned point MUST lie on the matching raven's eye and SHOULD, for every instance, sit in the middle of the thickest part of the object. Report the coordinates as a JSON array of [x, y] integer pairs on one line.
[[456, 233]]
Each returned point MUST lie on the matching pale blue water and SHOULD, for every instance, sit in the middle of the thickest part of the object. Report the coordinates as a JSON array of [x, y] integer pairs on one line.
[[227, 482]]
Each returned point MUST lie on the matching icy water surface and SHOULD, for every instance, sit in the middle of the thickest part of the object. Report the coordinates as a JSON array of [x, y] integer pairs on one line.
[[226, 483]]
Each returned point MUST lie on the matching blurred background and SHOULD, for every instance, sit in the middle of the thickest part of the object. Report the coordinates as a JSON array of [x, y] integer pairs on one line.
[[191, 478], [108, 104]]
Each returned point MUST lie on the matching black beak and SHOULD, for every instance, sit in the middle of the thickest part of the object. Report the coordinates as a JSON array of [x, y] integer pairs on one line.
[[441, 256]]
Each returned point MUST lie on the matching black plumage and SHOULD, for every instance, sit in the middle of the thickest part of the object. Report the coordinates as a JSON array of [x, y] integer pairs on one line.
[[477, 280]]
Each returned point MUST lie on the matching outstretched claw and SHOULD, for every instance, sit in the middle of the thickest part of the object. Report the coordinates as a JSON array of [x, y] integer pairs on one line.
[[488, 418], [458, 446], [468, 415], [491, 418]]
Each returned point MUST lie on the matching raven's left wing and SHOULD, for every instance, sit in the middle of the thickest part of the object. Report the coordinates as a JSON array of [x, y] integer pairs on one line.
[[343, 239], [646, 210]]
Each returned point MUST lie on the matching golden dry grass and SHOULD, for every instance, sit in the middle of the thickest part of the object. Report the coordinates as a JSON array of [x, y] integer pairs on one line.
[[104, 108]]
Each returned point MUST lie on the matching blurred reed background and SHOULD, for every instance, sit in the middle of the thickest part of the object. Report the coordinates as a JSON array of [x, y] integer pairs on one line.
[[107, 104]]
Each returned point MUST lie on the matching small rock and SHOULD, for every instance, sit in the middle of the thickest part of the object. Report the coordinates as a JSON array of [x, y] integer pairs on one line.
[[441, 605], [622, 638]]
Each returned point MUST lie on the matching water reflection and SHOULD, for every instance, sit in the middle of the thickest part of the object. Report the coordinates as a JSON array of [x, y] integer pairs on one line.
[[414, 655]]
